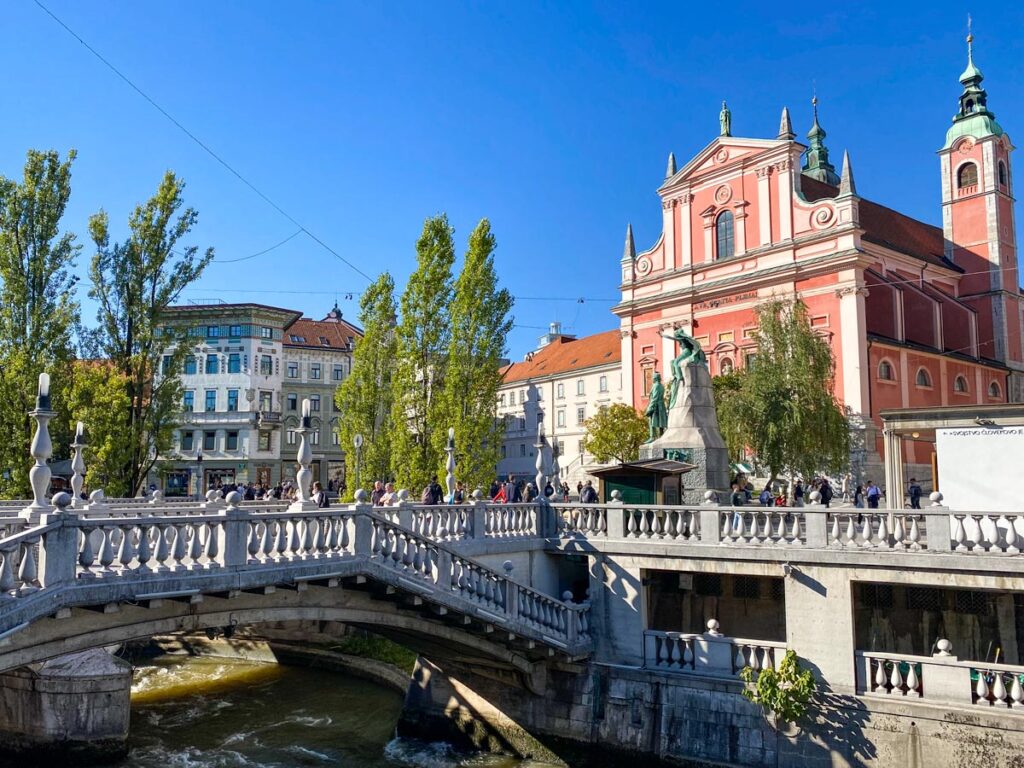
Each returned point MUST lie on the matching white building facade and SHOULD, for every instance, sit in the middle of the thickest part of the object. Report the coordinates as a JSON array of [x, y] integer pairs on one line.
[[560, 385]]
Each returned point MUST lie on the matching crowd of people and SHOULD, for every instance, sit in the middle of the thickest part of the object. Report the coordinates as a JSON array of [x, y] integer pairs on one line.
[[862, 496]]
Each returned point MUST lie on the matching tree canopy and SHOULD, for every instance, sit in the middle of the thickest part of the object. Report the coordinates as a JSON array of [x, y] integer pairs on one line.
[[615, 433]]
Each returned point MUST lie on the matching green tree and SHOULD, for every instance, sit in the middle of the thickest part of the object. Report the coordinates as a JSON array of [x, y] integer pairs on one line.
[[98, 396], [364, 399], [480, 322], [615, 433], [421, 358], [784, 406], [38, 310], [730, 405], [134, 282]]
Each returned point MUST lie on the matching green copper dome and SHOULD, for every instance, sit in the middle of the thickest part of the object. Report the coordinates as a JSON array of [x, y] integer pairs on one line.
[[973, 118]]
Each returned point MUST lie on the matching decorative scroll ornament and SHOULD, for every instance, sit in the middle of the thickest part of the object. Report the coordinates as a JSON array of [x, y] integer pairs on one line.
[[822, 216]]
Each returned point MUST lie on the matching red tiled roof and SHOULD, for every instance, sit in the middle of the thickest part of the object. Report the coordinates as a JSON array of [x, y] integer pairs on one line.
[[564, 355], [335, 332], [887, 227]]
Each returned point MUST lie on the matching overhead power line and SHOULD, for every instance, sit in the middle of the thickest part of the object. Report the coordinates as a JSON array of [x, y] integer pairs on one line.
[[201, 144]]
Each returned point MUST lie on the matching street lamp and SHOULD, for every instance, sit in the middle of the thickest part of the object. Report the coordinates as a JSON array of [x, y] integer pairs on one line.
[[357, 441], [199, 472]]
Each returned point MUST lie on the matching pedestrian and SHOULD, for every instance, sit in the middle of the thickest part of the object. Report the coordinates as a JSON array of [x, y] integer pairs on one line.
[[826, 491], [588, 495], [511, 490], [459, 494], [873, 493], [565, 492], [914, 491], [436, 492], [579, 490], [493, 490], [847, 479], [531, 492], [858, 497], [390, 497], [766, 497], [798, 493], [320, 496], [376, 493], [737, 499]]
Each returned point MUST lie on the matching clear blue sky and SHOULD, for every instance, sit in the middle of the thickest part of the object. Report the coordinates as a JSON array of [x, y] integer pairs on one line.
[[554, 120]]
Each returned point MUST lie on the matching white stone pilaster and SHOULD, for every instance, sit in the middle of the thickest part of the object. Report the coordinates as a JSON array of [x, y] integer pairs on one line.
[[764, 205], [852, 332], [685, 230], [784, 171], [668, 228]]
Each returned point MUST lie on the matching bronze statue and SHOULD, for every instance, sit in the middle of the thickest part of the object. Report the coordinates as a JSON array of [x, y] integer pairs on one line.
[[656, 413], [690, 352]]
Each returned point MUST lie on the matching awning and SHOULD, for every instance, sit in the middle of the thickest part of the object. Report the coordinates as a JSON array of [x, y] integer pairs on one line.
[[656, 466], [740, 468]]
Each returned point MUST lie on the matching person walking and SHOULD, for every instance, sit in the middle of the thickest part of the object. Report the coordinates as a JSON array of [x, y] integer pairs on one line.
[[588, 495], [914, 491], [766, 497], [390, 497], [858, 497], [737, 499], [826, 492], [798, 494], [320, 496], [873, 494], [436, 492]]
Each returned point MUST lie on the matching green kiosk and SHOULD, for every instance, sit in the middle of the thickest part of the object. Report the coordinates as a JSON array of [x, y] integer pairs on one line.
[[648, 481]]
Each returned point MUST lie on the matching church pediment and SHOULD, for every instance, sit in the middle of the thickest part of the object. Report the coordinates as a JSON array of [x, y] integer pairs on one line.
[[722, 151]]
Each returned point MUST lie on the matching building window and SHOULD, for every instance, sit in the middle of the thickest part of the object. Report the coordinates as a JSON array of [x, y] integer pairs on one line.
[[540, 418], [993, 390], [297, 339], [1002, 173], [967, 176], [211, 364], [232, 399], [314, 371], [522, 449], [186, 442], [293, 401], [579, 448], [960, 384], [266, 398], [338, 373], [579, 387], [560, 448], [293, 370], [209, 441], [212, 331], [291, 437], [724, 235], [602, 384], [231, 444], [266, 365], [504, 452], [266, 333], [314, 436], [540, 395], [522, 424], [512, 398], [335, 437], [522, 396], [648, 380], [561, 419], [560, 391], [264, 443], [314, 402], [726, 336], [234, 363], [924, 379], [188, 402], [750, 359], [501, 400], [211, 400], [190, 365], [886, 372], [165, 364], [725, 367], [581, 415], [235, 331]]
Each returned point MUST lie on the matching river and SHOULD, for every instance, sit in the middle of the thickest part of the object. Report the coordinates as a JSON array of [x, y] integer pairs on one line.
[[195, 712]]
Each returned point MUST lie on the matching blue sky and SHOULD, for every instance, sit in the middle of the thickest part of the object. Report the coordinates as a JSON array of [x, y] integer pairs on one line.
[[554, 120]]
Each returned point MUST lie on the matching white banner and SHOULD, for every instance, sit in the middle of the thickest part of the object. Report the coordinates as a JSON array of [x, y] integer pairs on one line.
[[981, 468]]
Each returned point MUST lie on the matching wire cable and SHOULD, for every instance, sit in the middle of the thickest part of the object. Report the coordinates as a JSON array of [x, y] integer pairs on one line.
[[201, 144], [293, 235]]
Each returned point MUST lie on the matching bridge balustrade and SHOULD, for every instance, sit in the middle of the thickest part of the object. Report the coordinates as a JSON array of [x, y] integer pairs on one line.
[[709, 653]]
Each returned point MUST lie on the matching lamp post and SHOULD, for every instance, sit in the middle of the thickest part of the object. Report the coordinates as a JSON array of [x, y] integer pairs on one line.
[[449, 479], [41, 449], [357, 441], [199, 472]]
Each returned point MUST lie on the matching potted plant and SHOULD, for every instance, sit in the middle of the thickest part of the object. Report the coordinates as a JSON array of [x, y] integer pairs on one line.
[[783, 693]]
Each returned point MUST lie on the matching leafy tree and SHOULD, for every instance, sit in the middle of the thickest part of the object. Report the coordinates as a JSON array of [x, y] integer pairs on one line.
[[38, 311], [784, 407], [421, 358], [729, 405], [98, 396], [134, 282], [615, 433], [480, 323], [364, 399]]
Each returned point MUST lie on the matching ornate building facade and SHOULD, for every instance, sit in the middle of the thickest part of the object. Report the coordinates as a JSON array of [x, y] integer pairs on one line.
[[916, 315]]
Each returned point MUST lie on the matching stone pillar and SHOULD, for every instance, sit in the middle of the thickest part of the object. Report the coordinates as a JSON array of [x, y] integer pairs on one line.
[[894, 483], [73, 709]]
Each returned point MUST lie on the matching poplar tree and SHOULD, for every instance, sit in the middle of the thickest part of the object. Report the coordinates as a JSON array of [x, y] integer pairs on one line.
[[364, 399], [480, 323], [38, 311], [784, 403], [133, 283], [421, 358]]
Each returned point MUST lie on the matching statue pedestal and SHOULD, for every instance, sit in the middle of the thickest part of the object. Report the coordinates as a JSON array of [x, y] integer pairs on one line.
[[692, 436]]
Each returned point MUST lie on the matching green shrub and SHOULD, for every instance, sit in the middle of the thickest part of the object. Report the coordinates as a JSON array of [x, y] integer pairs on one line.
[[784, 692]]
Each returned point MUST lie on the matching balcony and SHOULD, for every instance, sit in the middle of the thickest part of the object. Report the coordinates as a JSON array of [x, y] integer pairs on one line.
[[217, 417], [268, 419]]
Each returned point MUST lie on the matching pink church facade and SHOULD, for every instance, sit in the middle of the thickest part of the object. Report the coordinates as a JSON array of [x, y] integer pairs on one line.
[[916, 315]]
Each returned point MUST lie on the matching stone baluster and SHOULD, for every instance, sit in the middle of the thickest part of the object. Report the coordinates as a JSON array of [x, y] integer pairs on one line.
[[41, 449]]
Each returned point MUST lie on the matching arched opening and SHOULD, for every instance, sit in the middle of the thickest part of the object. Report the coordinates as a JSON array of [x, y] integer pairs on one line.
[[924, 379], [967, 176], [725, 367], [1002, 173], [960, 384], [724, 236], [994, 390], [886, 371]]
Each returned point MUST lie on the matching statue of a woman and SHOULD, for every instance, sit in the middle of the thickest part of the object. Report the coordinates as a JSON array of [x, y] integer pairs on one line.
[[656, 413], [725, 121]]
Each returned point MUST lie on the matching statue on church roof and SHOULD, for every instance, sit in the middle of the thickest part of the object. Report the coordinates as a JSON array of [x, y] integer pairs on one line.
[[725, 120]]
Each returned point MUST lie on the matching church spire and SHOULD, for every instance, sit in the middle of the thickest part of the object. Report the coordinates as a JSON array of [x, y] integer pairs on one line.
[[816, 162], [847, 186], [670, 171], [973, 118], [785, 126], [629, 251]]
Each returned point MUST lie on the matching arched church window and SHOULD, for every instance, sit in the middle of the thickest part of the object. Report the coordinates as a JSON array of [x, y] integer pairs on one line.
[[967, 176], [1002, 173], [924, 379], [993, 389], [724, 235], [885, 371], [960, 384], [969, 105], [725, 367]]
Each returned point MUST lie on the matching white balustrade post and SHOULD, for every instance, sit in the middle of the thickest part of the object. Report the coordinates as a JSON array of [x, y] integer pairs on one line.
[[939, 537], [449, 478], [364, 524], [58, 551], [946, 678], [538, 478], [236, 532], [511, 592], [479, 521], [710, 529], [78, 466], [304, 476], [41, 450], [815, 524]]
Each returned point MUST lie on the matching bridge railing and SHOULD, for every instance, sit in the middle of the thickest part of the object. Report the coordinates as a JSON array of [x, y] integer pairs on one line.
[[473, 520], [709, 653]]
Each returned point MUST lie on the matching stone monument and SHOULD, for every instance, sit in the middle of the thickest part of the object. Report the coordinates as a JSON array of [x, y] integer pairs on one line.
[[691, 434]]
